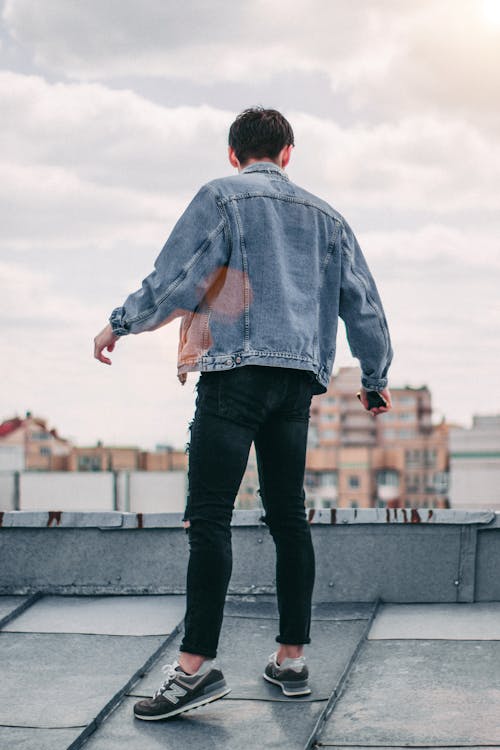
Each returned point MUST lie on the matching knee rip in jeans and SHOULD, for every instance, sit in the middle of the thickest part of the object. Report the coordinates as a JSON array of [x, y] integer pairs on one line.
[[190, 428]]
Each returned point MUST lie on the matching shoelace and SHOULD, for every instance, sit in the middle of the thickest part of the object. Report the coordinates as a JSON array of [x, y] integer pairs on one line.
[[169, 671]]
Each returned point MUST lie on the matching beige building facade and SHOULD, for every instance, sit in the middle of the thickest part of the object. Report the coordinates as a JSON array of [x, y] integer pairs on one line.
[[356, 460], [44, 450]]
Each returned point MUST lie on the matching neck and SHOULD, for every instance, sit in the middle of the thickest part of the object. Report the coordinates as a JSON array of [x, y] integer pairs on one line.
[[263, 158]]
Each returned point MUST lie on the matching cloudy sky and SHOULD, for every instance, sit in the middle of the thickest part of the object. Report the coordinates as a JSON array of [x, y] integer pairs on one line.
[[113, 114]]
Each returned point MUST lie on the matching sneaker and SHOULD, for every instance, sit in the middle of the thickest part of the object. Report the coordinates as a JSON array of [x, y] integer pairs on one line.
[[181, 692], [291, 675]]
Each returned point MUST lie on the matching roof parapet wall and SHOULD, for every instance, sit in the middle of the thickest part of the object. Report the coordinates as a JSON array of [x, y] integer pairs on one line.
[[397, 555]]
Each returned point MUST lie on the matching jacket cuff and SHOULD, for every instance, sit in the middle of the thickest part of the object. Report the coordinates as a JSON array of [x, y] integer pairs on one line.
[[374, 385], [117, 323]]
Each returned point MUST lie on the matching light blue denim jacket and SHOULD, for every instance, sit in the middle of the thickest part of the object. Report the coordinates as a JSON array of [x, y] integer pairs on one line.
[[259, 270]]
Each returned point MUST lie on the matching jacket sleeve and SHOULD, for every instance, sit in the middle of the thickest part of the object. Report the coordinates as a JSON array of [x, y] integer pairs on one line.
[[362, 312], [194, 249]]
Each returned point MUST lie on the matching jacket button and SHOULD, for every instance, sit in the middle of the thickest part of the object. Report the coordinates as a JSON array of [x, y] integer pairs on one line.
[[229, 361], [238, 360]]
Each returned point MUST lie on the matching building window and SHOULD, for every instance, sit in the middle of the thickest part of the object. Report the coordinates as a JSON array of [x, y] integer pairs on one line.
[[388, 416], [329, 417], [45, 451], [430, 456], [440, 481], [405, 434], [388, 477], [311, 478], [354, 480], [354, 504], [328, 479], [312, 437], [412, 458], [413, 483], [329, 434], [407, 400], [89, 463]]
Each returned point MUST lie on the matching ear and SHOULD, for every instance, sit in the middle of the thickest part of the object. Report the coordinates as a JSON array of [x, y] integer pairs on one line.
[[232, 158], [285, 154]]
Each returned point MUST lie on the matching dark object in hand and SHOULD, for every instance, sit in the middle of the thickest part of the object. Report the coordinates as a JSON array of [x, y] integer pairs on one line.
[[375, 400]]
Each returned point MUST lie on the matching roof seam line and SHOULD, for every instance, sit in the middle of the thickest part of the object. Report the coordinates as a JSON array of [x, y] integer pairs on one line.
[[20, 609], [120, 694], [313, 740]]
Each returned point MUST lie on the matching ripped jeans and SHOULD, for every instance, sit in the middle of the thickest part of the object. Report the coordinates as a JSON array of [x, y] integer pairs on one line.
[[269, 406]]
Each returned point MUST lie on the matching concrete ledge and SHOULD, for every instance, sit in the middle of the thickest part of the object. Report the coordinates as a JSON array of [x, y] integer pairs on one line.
[[330, 516]]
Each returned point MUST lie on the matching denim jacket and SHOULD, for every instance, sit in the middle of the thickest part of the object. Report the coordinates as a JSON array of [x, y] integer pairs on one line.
[[259, 270]]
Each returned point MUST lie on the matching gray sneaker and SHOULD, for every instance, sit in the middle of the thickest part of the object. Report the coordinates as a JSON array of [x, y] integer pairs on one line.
[[291, 675], [181, 692]]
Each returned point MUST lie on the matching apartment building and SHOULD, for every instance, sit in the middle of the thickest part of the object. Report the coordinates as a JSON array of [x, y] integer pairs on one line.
[[42, 448], [356, 460], [38, 448]]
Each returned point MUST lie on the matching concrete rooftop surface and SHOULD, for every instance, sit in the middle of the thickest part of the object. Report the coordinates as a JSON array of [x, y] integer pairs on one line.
[[405, 634]]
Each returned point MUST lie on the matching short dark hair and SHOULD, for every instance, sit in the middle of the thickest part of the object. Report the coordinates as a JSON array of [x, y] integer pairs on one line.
[[259, 132]]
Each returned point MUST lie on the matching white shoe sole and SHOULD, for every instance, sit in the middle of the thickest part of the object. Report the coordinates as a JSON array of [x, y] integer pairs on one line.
[[187, 707], [289, 693]]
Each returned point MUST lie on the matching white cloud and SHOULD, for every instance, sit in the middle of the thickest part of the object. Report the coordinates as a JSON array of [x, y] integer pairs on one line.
[[389, 58], [82, 163], [420, 163], [214, 41], [467, 250], [109, 137], [85, 164]]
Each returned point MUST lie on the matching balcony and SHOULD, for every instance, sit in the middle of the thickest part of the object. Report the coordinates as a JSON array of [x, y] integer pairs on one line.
[[405, 632]]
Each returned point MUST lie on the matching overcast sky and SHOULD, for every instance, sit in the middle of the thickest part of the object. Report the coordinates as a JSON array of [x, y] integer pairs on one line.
[[112, 114]]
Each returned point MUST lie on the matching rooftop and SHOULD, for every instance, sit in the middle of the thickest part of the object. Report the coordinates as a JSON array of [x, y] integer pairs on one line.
[[405, 634]]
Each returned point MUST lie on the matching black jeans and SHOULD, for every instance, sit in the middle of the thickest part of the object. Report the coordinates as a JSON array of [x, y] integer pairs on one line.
[[270, 406]]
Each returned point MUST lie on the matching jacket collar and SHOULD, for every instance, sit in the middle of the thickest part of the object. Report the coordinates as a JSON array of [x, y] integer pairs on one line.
[[266, 167]]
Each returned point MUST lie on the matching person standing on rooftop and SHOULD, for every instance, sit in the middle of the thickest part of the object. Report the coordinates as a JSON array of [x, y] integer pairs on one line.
[[259, 270]]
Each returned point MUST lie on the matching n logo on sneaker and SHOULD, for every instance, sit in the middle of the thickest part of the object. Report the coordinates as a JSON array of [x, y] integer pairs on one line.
[[174, 693]]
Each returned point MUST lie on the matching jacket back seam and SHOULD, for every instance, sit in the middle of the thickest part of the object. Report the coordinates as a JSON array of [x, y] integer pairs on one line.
[[278, 197]]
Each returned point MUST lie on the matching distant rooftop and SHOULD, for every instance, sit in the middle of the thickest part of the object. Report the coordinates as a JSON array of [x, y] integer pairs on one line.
[[405, 633]]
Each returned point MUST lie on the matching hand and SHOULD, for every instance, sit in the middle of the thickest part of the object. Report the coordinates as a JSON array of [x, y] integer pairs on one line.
[[106, 339], [379, 409]]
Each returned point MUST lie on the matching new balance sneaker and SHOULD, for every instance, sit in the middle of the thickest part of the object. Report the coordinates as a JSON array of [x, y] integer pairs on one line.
[[291, 675], [181, 692]]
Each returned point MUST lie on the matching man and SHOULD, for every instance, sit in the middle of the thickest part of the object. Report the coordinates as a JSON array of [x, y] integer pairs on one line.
[[259, 270]]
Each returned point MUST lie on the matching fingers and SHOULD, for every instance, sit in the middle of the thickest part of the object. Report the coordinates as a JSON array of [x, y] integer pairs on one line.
[[100, 356], [378, 410], [104, 340], [98, 349]]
